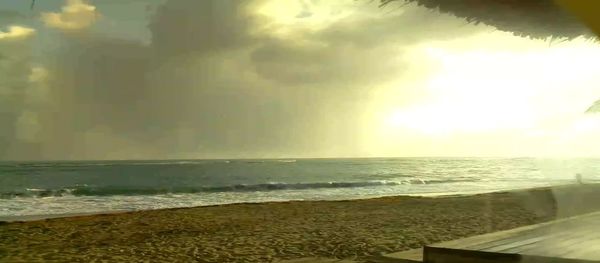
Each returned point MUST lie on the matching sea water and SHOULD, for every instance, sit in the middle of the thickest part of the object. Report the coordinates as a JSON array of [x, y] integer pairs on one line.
[[50, 188]]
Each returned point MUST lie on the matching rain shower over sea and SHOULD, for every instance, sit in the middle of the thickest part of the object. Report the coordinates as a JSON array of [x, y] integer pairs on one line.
[[50, 188]]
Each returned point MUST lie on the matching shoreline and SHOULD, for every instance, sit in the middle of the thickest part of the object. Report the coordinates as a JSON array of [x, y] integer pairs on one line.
[[265, 232], [37, 217]]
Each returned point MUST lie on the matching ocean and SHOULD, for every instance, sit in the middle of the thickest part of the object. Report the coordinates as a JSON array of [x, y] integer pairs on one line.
[[54, 188]]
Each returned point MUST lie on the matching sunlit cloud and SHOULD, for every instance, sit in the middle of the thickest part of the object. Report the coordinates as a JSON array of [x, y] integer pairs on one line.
[[38, 74], [16, 32], [75, 15], [37, 91]]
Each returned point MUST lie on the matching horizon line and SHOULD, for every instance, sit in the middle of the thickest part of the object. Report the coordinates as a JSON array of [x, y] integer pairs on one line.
[[306, 158]]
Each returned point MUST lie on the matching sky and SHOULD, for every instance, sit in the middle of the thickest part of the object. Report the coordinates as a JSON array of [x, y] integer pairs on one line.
[[179, 79]]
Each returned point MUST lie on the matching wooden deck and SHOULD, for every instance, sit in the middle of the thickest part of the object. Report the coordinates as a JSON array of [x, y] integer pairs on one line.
[[576, 239]]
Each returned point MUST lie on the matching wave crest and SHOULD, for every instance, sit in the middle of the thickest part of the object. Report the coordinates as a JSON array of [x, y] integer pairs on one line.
[[85, 190], [106, 191]]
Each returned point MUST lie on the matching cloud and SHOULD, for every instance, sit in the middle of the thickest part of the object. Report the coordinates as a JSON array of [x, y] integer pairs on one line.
[[75, 15], [16, 33], [9, 16], [183, 27], [28, 127], [17, 131], [356, 50], [211, 83], [38, 74], [305, 12], [294, 64], [109, 91]]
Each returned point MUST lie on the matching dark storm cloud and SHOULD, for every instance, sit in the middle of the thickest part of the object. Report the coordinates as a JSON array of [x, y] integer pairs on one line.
[[10, 16], [181, 27], [177, 95], [104, 81], [211, 84], [293, 64]]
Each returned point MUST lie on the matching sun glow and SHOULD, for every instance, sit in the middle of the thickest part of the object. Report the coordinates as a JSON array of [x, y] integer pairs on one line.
[[525, 94], [481, 91]]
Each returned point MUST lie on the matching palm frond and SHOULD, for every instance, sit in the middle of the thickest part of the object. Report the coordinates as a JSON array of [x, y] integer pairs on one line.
[[595, 108]]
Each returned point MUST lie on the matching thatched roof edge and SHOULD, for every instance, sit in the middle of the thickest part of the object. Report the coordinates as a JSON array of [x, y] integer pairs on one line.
[[539, 19]]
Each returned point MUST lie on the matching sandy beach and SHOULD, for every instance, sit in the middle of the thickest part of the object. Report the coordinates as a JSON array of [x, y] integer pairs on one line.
[[267, 232]]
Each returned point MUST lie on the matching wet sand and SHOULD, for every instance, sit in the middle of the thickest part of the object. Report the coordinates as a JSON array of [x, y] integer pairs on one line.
[[266, 232]]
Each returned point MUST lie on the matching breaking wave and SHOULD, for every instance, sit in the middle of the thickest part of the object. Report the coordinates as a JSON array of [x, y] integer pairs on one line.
[[85, 190]]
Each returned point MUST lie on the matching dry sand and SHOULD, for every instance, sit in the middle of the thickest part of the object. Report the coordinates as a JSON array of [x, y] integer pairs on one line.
[[271, 231]]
